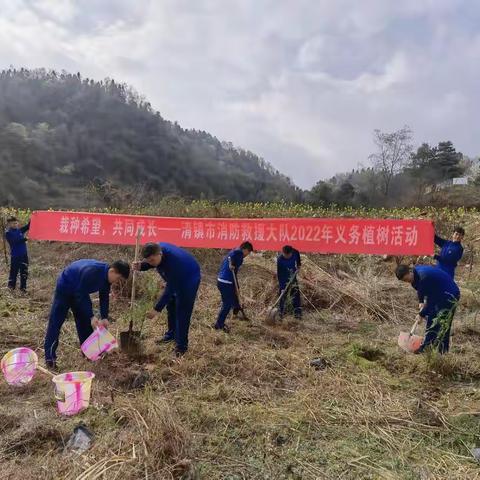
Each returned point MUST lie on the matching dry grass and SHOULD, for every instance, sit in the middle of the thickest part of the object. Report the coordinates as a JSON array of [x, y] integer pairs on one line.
[[247, 405]]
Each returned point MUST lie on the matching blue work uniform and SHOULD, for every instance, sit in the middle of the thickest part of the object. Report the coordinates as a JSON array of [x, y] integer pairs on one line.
[[286, 269], [440, 295], [226, 285], [74, 286], [18, 256], [449, 256], [181, 272]]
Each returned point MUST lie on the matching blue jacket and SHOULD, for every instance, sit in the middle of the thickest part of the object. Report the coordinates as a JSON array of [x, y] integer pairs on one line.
[[449, 256], [435, 288], [17, 241], [225, 275], [178, 268], [286, 267], [80, 279]]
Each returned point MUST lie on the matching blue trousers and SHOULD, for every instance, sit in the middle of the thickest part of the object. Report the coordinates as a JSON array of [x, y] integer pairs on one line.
[[179, 312], [292, 297], [171, 317], [18, 265], [438, 328], [229, 302], [62, 303]]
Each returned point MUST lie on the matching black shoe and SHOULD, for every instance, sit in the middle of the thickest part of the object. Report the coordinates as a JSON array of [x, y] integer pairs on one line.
[[225, 328], [51, 364], [165, 339], [179, 353], [240, 315]]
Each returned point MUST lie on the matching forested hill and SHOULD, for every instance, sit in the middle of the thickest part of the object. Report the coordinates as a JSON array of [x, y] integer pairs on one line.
[[61, 133]]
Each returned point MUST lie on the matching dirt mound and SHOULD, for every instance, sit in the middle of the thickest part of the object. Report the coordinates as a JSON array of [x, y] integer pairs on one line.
[[325, 287]]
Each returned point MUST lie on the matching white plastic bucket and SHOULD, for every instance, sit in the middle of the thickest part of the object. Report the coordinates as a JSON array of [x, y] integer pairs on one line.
[[72, 391], [19, 366], [99, 342]]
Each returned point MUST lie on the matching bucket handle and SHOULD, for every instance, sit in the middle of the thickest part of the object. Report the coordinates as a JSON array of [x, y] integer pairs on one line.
[[59, 396], [44, 370]]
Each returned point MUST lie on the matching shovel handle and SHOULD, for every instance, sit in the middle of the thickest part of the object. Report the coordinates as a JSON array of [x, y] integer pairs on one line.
[[415, 325], [3, 226], [285, 290], [237, 290], [134, 276], [237, 293]]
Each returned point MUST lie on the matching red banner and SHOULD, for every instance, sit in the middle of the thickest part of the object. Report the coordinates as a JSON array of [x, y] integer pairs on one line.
[[322, 235]]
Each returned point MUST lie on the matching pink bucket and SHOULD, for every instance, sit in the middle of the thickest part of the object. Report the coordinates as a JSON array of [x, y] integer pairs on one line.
[[19, 366], [99, 342], [72, 391]]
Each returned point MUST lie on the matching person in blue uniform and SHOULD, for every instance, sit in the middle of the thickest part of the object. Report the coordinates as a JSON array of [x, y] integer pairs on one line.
[[181, 272], [288, 265], [15, 236], [225, 283], [451, 251], [438, 296], [74, 286]]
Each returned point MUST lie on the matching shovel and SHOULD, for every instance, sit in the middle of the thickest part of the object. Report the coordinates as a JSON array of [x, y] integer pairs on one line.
[[237, 293], [408, 341], [130, 340], [4, 227], [273, 312]]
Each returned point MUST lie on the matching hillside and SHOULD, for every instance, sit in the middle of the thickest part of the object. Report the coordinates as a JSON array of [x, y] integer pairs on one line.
[[61, 133]]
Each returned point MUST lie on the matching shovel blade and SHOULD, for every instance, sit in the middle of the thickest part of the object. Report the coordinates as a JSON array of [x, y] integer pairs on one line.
[[409, 343], [130, 342], [273, 315]]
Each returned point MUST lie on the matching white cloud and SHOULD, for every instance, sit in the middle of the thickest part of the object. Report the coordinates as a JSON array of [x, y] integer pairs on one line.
[[302, 83], [57, 10]]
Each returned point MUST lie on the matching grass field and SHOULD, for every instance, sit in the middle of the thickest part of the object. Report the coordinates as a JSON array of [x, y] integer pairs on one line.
[[247, 405]]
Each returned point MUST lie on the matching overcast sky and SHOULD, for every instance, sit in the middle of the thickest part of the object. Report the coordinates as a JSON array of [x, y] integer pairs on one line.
[[302, 83]]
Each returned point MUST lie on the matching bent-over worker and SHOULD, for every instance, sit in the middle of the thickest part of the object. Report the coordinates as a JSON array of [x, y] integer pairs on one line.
[[438, 296], [74, 286], [181, 272]]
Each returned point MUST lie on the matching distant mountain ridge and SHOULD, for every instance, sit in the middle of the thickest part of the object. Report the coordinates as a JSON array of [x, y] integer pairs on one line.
[[59, 133]]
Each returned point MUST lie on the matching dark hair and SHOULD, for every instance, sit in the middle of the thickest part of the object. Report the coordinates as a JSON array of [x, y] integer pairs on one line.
[[459, 229], [150, 249], [246, 246], [12, 219], [122, 267], [401, 271], [288, 249]]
